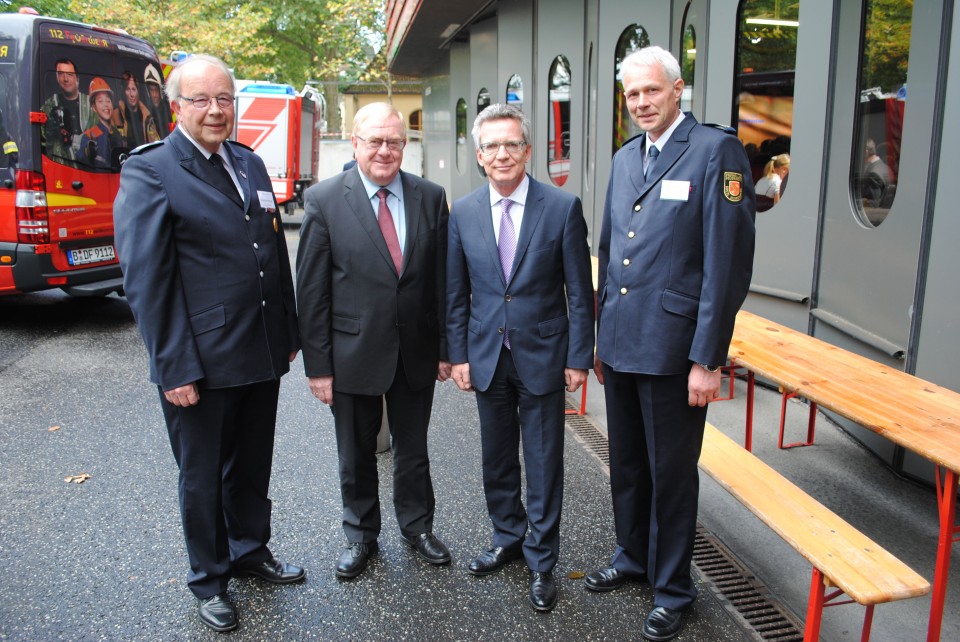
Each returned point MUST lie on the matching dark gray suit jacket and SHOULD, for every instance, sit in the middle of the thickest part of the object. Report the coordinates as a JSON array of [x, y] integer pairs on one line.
[[356, 314]]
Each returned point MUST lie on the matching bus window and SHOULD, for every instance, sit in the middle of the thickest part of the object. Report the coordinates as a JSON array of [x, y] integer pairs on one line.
[[9, 152], [558, 134], [633, 37], [99, 105], [885, 51], [688, 58], [763, 92]]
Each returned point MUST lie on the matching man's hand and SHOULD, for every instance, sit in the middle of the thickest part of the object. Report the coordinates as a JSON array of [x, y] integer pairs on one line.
[[598, 369], [574, 378], [702, 386], [443, 371], [322, 388], [460, 372], [183, 396]]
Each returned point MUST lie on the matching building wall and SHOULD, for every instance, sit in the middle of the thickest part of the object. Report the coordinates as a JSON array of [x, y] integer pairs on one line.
[[405, 103]]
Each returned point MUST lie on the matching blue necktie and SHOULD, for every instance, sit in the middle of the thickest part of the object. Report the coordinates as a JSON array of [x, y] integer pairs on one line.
[[651, 163]]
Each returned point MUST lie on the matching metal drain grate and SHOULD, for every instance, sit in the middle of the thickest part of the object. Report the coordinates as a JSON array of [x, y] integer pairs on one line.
[[743, 595]]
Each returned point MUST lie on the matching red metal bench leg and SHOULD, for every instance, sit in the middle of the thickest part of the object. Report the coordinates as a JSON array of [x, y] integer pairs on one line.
[[811, 422], [867, 623], [947, 499], [583, 403], [748, 430], [814, 608]]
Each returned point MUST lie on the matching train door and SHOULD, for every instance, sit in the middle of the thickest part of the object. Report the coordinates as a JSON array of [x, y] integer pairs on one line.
[[464, 158], [883, 139]]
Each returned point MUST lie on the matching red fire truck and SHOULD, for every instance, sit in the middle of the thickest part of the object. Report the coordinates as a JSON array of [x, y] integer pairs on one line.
[[282, 127], [60, 166]]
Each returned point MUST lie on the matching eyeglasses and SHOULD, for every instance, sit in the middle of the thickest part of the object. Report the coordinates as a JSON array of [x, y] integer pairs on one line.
[[202, 102], [374, 144], [513, 147]]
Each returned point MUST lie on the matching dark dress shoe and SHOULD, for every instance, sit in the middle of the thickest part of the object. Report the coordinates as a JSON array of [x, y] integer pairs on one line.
[[605, 579], [274, 571], [662, 624], [492, 560], [218, 612], [429, 548], [543, 591], [354, 558]]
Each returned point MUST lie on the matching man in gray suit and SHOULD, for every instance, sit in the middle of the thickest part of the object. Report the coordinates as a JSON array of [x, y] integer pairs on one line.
[[520, 331], [675, 258], [370, 287]]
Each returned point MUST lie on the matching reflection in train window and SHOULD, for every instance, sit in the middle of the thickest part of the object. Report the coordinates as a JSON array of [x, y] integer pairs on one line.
[[461, 136], [763, 89], [558, 134], [633, 37], [515, 91], [688, 58], [885, 49]]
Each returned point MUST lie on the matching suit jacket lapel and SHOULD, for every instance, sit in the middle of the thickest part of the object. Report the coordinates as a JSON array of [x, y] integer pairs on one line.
[[674, 149], [194, 162], [243, 177], [532, 213], [489, 238], [412, 209], [356, 197]]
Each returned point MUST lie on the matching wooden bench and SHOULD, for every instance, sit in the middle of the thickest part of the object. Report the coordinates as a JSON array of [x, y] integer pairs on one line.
[[911, 412], [842, 557]]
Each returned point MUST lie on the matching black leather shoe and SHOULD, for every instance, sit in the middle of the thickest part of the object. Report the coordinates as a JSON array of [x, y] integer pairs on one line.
[[493, 560], [354, 558], [605, 579], [662, 624], [274, 571], [543, 591], [429, 548], [218, 612]]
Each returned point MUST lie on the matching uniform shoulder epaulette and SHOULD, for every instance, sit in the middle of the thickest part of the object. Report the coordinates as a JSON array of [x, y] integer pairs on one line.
[[146, 147], [724, 128], [239, 144]]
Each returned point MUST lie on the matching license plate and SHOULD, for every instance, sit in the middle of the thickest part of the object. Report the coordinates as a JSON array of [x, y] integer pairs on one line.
[[91, 255]]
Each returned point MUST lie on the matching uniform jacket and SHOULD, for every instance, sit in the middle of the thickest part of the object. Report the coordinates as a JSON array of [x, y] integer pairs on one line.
[[675, 252], [357, 316], [206, 273], [548, 304]]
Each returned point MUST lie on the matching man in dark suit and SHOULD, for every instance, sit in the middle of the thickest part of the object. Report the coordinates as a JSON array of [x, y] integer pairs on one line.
[[675, 259], [207, 276], [370, 288], [520, 331]]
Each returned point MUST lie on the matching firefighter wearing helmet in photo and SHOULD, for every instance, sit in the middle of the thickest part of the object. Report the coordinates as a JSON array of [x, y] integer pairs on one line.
[[132, 119], [158, 107], [97, 141]]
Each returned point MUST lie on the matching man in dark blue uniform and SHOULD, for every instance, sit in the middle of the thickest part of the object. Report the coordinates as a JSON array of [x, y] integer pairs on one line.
[[207, 276], [675, 261]]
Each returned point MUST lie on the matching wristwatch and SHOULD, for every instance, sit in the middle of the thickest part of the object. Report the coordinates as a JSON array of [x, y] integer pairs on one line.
[[708, 368]]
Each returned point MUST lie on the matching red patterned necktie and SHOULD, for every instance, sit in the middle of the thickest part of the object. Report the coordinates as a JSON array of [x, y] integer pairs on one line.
[[385, 220]]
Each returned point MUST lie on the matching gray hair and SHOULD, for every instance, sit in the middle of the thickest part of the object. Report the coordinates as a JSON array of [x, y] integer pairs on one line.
[[377, 109], [499, 111], [173, 82], [650, 57]]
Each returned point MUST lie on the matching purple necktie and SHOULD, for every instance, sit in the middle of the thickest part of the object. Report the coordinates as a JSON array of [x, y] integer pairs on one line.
[[385, 220], [506, 248]]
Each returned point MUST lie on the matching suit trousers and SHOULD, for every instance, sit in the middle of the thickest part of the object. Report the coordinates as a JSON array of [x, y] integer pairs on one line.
[[224, 449], [508, 411], [654, 439], [358, 419]]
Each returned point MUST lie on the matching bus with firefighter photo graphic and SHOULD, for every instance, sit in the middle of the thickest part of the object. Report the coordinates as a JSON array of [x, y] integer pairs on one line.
[[74, 100]]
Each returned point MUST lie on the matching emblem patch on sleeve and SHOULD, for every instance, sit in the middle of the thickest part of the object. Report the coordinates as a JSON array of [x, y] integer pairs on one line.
[[733, 186]]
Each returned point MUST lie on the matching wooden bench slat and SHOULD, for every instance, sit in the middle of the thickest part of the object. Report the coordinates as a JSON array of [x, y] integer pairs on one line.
[[863, 569]]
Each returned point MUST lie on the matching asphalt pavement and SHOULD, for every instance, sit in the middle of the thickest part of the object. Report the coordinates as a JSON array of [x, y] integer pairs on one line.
[[105, 560]]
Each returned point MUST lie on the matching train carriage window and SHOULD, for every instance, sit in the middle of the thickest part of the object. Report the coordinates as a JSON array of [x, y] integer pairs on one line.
[[632, 38], [688, 58], [483, 101], [885, 49], [763, 91], [558, 134], [461, 136], [515, 91]]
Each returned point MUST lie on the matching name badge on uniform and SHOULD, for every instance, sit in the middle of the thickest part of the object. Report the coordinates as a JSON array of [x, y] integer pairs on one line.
[[266, 200], [674, 190]]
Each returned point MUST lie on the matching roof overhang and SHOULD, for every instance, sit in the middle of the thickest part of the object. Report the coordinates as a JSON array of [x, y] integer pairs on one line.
[[417, 30]]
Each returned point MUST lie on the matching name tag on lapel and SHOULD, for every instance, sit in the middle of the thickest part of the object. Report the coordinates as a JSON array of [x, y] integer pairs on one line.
[[674, 190], [266, 200]]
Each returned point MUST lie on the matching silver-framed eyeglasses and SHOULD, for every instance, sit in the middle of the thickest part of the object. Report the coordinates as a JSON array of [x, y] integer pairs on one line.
[[374, 144], [203, 102], [513, 147]]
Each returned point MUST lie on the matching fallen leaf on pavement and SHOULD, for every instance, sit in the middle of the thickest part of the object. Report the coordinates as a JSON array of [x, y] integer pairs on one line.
[[76, 479]]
